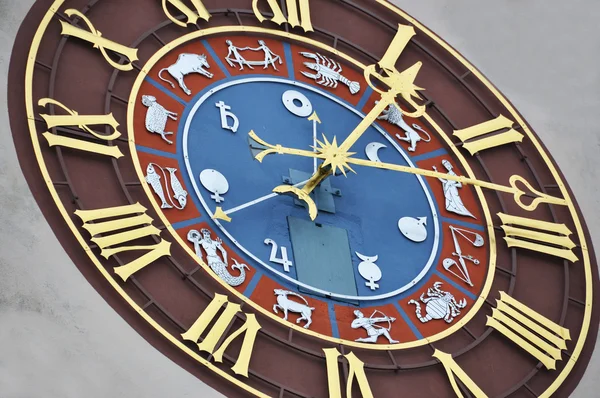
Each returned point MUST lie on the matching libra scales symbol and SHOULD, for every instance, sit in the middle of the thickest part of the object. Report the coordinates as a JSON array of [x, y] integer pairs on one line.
[[369, 270]]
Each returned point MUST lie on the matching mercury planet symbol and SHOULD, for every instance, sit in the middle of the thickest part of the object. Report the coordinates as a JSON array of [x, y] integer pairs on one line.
[[413, 228], [369, 270], [214, 182]]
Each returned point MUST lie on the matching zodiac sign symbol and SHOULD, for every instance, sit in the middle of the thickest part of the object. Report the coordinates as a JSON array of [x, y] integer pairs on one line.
[[186, 64], [214, 182], [370, 325], [287, 305], [225, 113], [328, 71], [393, 115], [157, 116], [284, 255], [369, 270], [180, 194], [215, 263], [234, 56], [462, 269], [438, 305], [413, 228], [454, 203]]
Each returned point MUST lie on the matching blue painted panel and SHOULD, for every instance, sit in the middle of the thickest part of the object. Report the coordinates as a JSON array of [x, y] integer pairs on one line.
[[322, 256]]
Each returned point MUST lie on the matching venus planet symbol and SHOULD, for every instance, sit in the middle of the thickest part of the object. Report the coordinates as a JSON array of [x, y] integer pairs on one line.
[[413, 228], [369, 270], [214, 182]]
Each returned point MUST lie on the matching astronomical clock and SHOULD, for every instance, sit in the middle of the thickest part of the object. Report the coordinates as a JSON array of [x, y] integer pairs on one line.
[[304, 198]]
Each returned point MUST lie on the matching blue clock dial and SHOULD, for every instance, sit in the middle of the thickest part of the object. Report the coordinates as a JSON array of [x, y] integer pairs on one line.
[[355, 250]]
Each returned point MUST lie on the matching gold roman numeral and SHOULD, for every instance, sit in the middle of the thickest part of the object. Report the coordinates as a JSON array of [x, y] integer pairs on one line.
[[534, 333], [214, 335], [95, 37], [539, 236], [192, 16], [483, 129], [455, 372], [82, 122], [136, 222], [356, 371], [294, 18]]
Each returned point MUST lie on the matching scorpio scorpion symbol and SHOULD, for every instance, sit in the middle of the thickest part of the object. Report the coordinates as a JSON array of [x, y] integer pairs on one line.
[[329, 71]]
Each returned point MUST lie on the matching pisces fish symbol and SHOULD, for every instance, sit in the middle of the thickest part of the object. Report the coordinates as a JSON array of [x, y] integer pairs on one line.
[[154, 179]]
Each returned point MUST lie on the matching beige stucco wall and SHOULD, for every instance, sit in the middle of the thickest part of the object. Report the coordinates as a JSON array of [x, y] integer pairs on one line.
[[58, 338]]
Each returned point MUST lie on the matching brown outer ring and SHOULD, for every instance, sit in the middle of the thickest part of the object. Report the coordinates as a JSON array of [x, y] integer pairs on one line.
[[26, 157]]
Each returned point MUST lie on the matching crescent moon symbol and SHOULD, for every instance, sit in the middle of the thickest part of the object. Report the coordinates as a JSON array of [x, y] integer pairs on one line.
[[372, 150]]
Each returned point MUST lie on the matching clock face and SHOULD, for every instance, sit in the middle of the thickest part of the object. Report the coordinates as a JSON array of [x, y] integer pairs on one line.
[[323, 199]]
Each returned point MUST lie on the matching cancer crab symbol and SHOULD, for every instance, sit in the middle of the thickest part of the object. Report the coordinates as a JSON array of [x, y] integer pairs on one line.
[[438, 305]]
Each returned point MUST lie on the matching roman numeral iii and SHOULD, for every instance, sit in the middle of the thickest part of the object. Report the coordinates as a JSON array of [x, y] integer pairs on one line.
[[476, 138], [209, 343], [110, 235], [83, 122], [294, 18], [540, 236]]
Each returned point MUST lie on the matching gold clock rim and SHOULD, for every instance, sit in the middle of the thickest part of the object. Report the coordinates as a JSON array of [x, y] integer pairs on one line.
[[579, 228], [208, 32]]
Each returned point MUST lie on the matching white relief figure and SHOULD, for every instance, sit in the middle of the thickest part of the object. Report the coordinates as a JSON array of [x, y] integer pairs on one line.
[[370, 325], [438, 305], [186, 64], [154, 179], [474, 239], [234, 56], [454, 203], [287, 305], [218, 265], [393, 115], [329, 72], [226, 115], [157, 116]]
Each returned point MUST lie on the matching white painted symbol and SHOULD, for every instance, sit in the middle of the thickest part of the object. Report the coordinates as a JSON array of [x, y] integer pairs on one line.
[[283, 260], [154, 180], [329, 72], [225, 113], [186, 64], [393, 114], [369, 270], [234, 56], [214, 182], [413, 228], [438, 305], [370, 325], [157, 116], [287, 305], [372, 151], [297, 103], [454, 203], [212, 248], [461, 266]]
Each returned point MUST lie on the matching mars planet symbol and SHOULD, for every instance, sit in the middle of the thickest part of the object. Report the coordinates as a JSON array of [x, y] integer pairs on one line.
[[413, 228]]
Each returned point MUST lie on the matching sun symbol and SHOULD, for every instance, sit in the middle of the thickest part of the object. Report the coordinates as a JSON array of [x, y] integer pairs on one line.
[[333, 155]]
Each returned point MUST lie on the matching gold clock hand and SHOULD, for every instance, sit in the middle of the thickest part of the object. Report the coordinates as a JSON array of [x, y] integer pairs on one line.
[[342, 160]]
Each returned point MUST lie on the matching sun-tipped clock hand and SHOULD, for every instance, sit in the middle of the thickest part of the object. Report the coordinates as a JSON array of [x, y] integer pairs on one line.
[[336, 159]]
